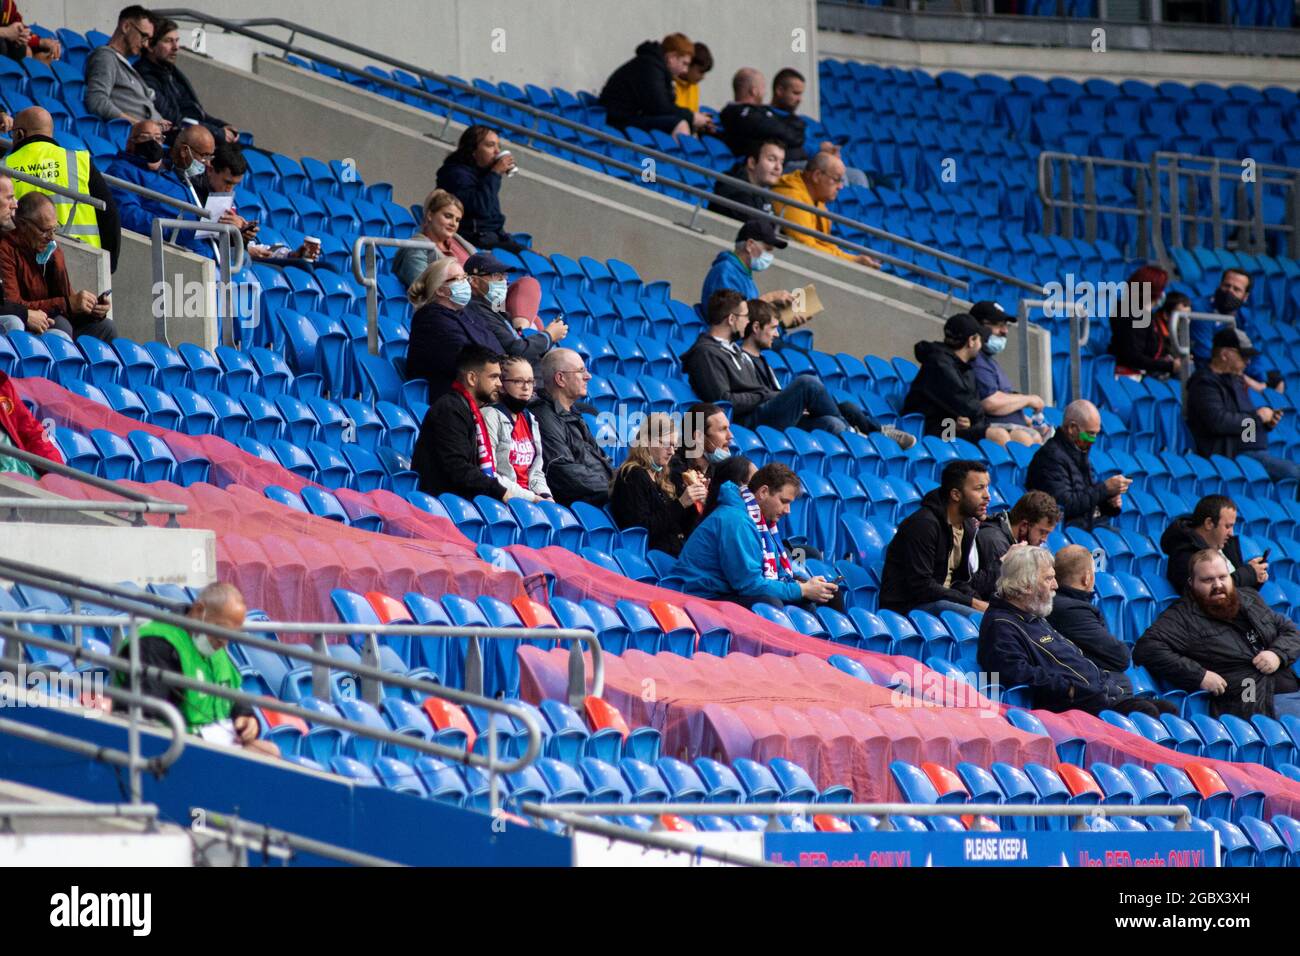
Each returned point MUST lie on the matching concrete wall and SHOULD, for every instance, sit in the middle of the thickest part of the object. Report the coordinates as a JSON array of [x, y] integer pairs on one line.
[[185, 556], [574, 45]]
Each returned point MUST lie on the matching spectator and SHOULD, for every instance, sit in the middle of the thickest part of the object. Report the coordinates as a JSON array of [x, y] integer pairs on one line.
[[454, 450], [1019, 645], [1021, 415], [223, 176], [760, 167], [686, 88], [1062, 469], [14, 316], [173, 94], [1230, 299], [442, 326], [178, 174], [487, 280], [114, 90], [1075, 617], [1210, 526], [736, 469], [1225, 641], [1030, 521], [734, 268], [736, 554], [200, 656], [32, 270], [816, 185], [764, 327], [20, 429], [473, 175], [787, 95], [747, 121], [706, 444], [1220, 415], [1141, 344], [931, 563], [640, 92], [945, 391], [643, 495], [576, 468], [37, 153], [516, 436], [17, 41]]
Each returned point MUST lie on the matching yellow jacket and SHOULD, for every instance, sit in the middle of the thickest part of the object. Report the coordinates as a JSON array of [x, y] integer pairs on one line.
[[688, 95], [793, 185]]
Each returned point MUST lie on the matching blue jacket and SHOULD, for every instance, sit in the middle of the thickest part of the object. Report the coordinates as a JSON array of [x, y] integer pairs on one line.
[[723, 556], [138, 213], [479, 190], [728, 272]]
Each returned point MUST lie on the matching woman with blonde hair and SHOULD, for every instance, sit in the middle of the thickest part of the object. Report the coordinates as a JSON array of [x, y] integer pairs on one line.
[[642, 493], [442, 326]]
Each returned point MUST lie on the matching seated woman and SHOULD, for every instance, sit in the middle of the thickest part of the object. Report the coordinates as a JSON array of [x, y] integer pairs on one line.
[[441, 225], [516, 437], [642, 493], [1141, 344], [442, 326], [473, 174]]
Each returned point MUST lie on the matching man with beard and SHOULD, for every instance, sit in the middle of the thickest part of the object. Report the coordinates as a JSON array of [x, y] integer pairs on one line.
[[1230, 299], [1018, 646], [1226, 641]]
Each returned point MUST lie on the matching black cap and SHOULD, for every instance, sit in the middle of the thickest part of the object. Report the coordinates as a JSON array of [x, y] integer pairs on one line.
[[961, 327], [485, 264], [989, 312], [1234, 338], [763, 231]]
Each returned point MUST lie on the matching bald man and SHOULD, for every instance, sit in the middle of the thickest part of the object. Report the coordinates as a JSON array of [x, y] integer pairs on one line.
[[576, 468], [37, 152], [1062, 469], [177, 175], [1075, 616], [816, 185], [746, 120], [201, 656]]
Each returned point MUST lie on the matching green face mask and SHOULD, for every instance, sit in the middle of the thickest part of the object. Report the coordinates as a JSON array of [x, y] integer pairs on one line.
[[1087, 437]]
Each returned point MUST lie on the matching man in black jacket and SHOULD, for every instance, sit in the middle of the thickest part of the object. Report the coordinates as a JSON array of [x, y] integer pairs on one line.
[[1076, 617], [640, 92], [945, 391], [454, 450], [576, 468], [1209, 526], [1224, 641], [747, 121], [1030, 521], [762, 165], [173, 95], [1019, 646], [928, 564], [1062, 469], [487, 277], [1220, 415]]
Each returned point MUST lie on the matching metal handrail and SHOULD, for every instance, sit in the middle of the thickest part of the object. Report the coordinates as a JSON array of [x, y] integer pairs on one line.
[[244, 835], [1180, 333], [242, 27], [225, 231], [138, 508], [371, 282], [156, 505], [1080, 329]]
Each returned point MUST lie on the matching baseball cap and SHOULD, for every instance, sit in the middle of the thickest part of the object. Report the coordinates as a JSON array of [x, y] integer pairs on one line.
[[485, 264], [1234, 338], [763, 231], [961, 327], [989, 312]]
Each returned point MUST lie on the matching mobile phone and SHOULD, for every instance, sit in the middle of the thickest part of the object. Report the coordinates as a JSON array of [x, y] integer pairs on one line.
[[1264, 556], [103, 296]]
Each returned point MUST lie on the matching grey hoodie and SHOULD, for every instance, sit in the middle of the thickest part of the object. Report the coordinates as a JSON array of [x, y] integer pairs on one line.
[[113, 87]]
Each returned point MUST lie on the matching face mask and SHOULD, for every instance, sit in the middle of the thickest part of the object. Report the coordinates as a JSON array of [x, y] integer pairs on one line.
[[996, 343], [515, 405], [762, 261], [1086, 440], [496, 294], [1158, 302], [203, 644], [719, 455], [1225, 302], [150, 150], [656, 467], [43, 256], [460, 291]]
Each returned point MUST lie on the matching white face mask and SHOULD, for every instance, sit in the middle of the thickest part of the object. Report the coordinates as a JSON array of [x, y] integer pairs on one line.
[[762, 260], [203, 644], [496, 294]]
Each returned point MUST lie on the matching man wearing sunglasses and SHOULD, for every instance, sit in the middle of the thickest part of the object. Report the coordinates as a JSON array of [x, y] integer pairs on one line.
[[114, 90], [1062, 469]]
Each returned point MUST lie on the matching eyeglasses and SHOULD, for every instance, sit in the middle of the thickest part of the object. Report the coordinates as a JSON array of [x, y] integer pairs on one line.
[[143, 35], [582, 370], [517, 381]]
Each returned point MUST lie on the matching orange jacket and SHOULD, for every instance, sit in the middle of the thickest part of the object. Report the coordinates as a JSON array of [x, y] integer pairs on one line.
[[792, 184]]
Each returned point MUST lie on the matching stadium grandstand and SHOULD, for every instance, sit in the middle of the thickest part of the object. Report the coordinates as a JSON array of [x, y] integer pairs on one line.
[[458, 438]]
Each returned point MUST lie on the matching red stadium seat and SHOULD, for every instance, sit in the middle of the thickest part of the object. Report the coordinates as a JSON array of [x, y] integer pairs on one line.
[[275, 718], [825, 823], [945, 780], [603, 715], [1078, 781], [1206, 780], [674, 824], [533, 614], [388, 609], [447, 716]]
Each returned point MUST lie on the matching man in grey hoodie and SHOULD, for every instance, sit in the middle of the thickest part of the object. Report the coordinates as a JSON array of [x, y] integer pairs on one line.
[[114, 90]]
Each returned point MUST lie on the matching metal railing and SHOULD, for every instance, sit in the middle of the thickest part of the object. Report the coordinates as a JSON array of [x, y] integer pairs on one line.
[[1080, 321], [137, 502], [272, 842], [225, 285], [1180, 333], [367, 274], [244, 28]]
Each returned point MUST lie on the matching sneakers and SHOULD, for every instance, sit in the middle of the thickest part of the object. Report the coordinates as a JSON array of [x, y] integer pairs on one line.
[[905, 441]]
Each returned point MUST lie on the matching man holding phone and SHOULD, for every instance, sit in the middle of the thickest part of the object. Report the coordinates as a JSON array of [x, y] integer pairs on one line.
[[1210, 525]]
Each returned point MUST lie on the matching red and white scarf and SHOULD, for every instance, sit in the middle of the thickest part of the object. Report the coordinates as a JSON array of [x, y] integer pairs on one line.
[[776, 563], [480, 427]]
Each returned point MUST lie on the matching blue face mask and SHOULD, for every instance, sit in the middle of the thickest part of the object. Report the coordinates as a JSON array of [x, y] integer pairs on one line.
[[43, 256], [996, 344], [719, 455], [656, 467], [762, 261], [496, 294], [460, 291]]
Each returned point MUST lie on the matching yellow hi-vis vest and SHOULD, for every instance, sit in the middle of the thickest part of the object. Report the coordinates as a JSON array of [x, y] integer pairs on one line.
[[53, 162]]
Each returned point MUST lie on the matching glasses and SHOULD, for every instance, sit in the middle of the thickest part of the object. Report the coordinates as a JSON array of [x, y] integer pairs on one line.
[[581, 370], [517, 381], [143, 35]]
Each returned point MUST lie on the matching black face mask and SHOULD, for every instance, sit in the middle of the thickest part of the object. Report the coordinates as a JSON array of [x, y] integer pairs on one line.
[[150, 150], [516, 405], [1225, 303]]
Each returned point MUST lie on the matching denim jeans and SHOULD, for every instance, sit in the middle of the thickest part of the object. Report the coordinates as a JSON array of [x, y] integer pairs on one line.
[[1284, 704], [1277, 468], [786, 408], [938, 607]]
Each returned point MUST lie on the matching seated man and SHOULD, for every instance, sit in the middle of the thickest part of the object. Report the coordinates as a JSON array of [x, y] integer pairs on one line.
[[576, 468], [487, 279], [735, 554], [734, 269], [203, 657], [1020, 415], [931, 563], [173, 94], [640, 92], [114, 90], [1062, 469], [747, 121], [1018, 644], [945, 391], [1230, 300], [178, 175], [1076, 617], [33, 273], [1030, 521], [14, 316], [454, 450], [816, 185], [1225, 641], [1220, 415], [706, 442], [1209, 526], [761, 166]]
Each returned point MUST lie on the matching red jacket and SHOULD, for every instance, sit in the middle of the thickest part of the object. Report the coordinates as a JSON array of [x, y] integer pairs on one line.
[[24, 430], [38, 287]]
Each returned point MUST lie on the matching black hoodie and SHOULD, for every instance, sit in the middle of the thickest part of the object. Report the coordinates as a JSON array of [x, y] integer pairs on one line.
[[1181, 540], [721, 374], [944, 389], [916, 561], [640, 93]]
